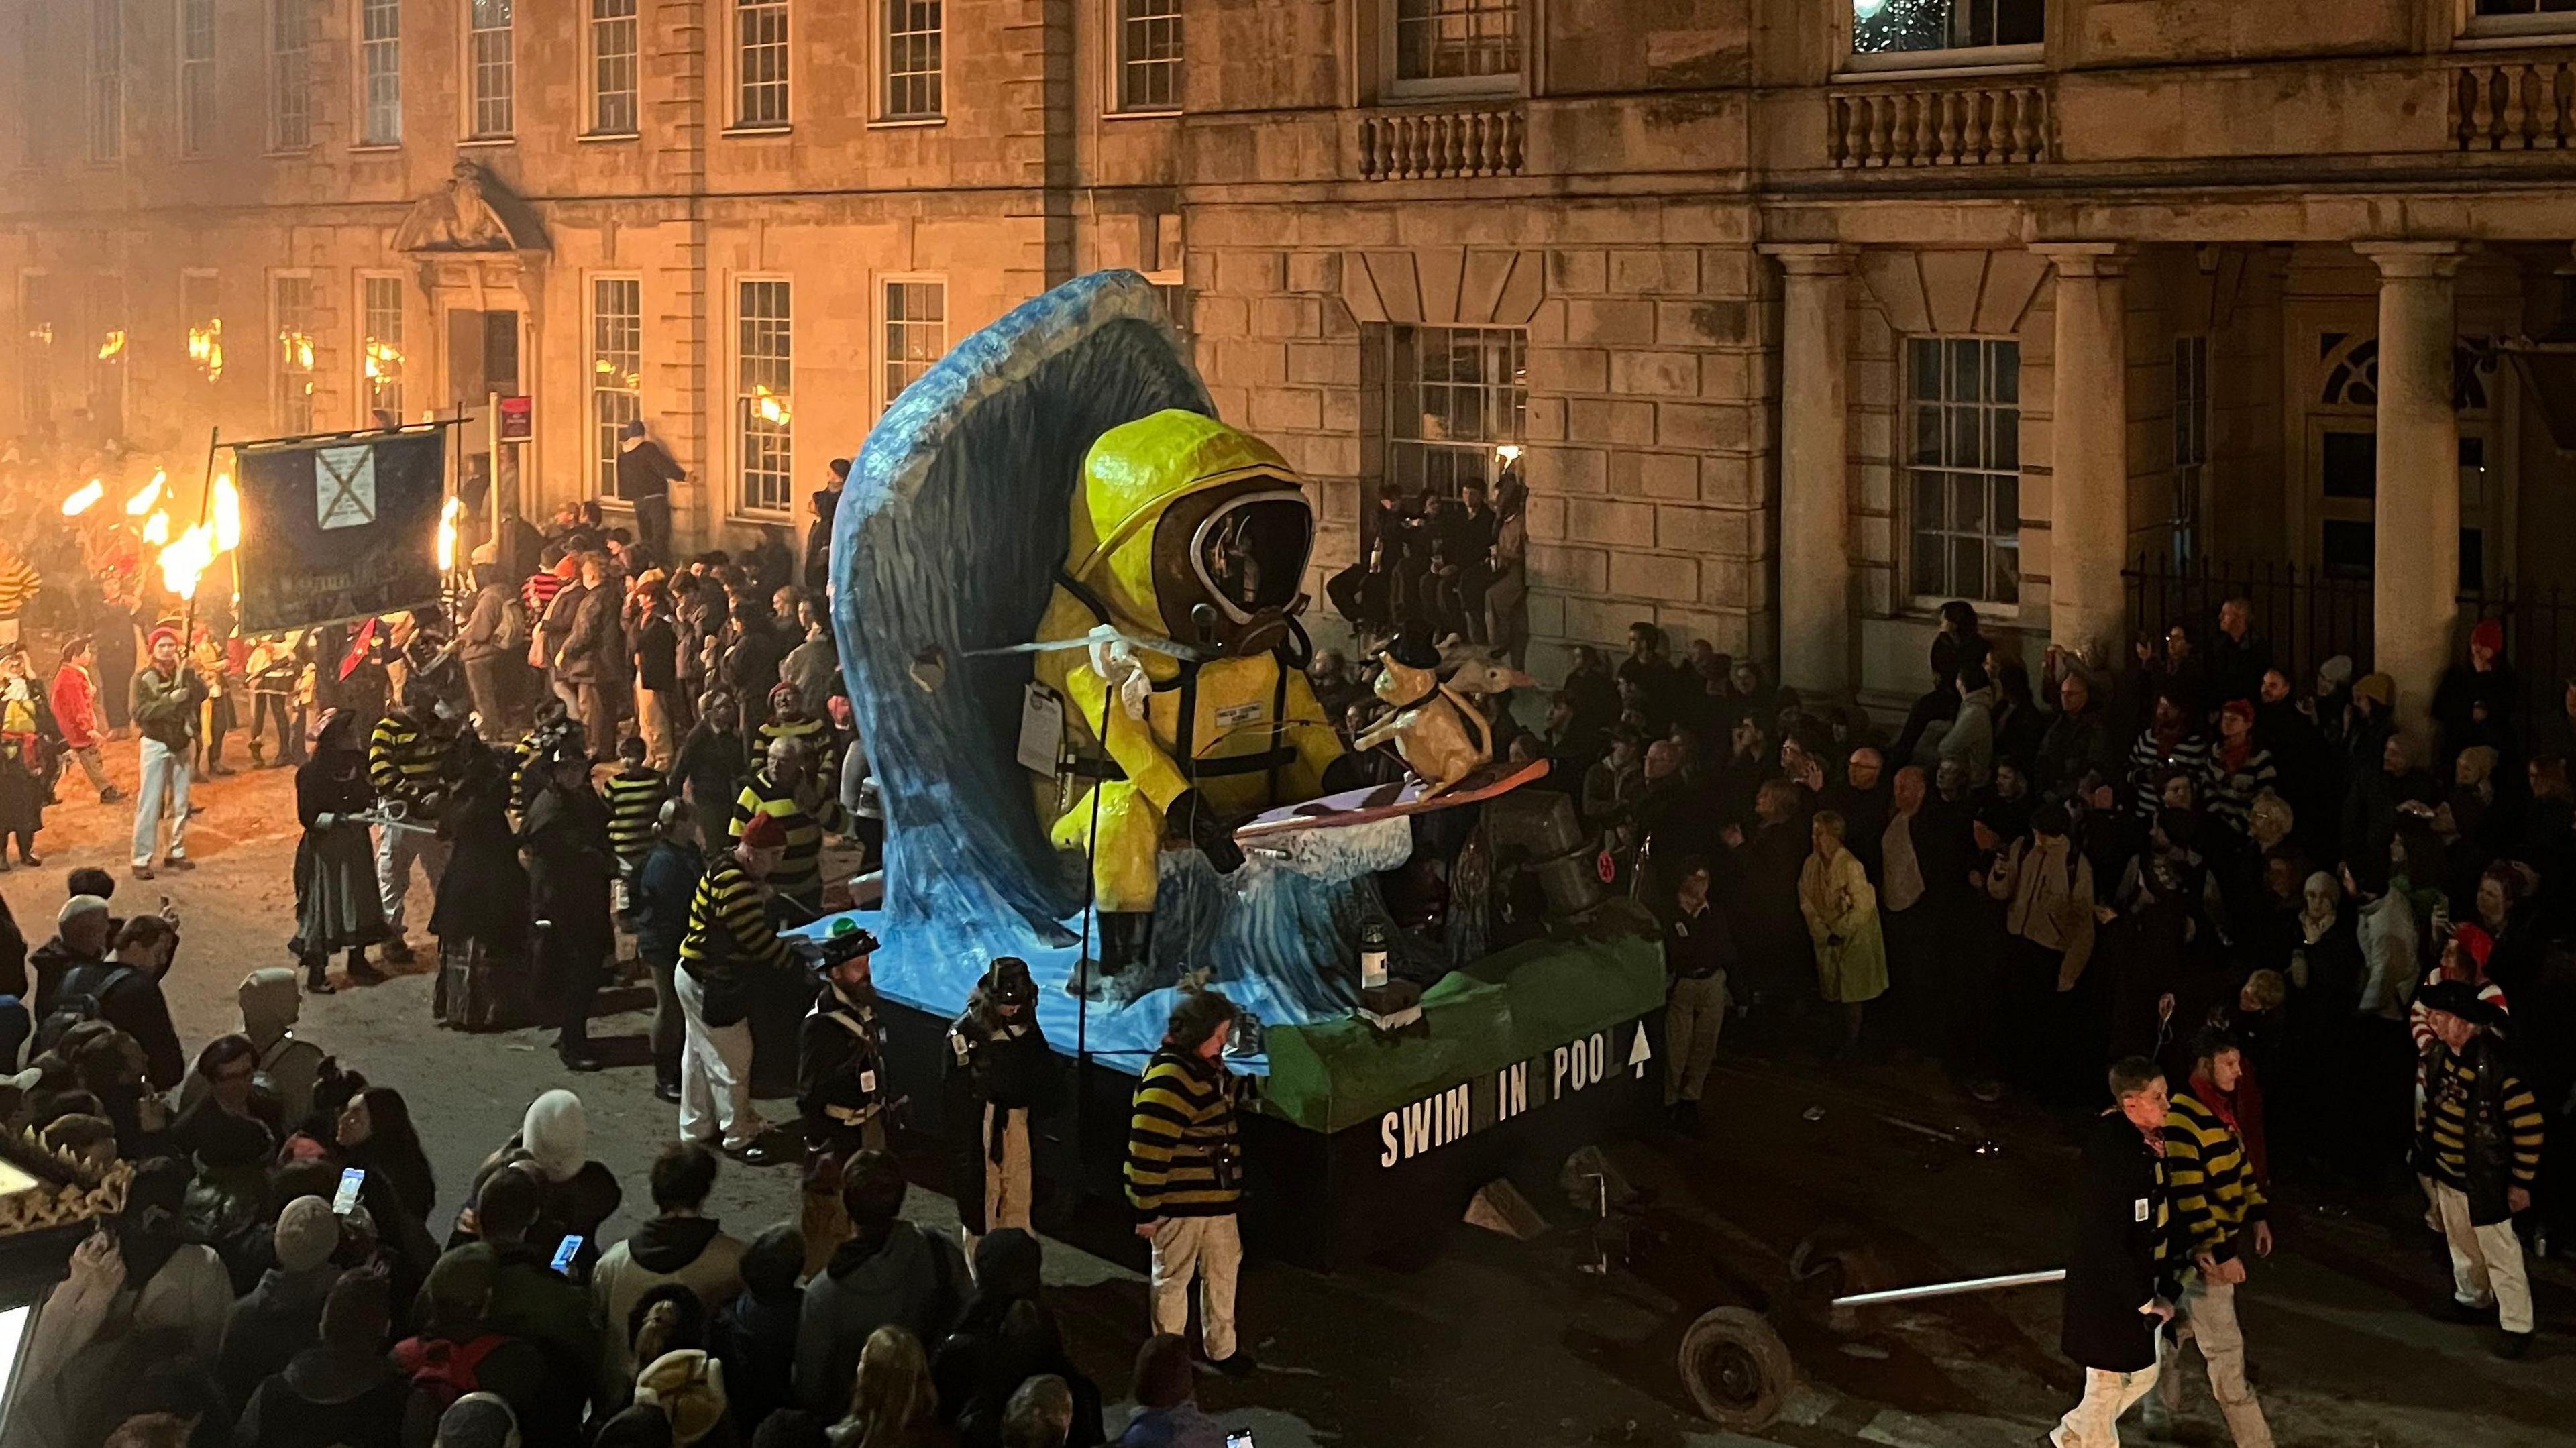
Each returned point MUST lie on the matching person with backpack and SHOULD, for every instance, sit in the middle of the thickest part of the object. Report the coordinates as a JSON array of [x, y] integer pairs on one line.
[[889, 1273], [83, 931], [125, 992], [458, 1354], [341, 1392], [493, 647]]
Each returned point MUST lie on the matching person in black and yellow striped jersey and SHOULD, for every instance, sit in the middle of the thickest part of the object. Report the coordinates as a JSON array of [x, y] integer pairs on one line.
[[788, 789], [635, 794], [2221, 1214], [2478, 1136], [403, 760], [728, 944], [1184, 1175]]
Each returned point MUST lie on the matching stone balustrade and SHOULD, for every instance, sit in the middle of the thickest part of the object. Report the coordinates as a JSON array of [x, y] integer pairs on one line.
[[1424, 145], [2514, 104], [1940, 125]]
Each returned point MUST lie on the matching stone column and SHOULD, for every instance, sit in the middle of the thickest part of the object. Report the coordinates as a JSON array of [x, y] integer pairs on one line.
[[2415, 567], [1815, 510], [2088, 531]]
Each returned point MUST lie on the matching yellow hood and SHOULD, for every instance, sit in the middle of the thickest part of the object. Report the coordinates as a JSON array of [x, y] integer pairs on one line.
[[1133, 476]]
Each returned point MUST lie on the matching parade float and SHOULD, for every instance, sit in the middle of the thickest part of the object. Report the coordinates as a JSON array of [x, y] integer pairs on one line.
[[1068, 604]]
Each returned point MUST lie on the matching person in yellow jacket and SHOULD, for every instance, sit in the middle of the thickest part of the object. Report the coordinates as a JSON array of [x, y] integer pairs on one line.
[[1187, 533]]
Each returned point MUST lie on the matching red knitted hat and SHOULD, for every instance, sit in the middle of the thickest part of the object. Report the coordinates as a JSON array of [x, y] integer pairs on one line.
[[764, 832]]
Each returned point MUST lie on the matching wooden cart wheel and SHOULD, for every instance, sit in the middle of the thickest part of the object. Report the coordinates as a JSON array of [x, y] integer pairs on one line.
[[1736, 1368]]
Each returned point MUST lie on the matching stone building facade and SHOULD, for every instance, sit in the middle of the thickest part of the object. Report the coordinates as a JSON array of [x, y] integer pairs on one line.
[[1803, 314]]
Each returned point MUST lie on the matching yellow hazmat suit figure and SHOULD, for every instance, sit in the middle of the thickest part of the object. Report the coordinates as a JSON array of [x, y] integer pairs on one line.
[[1191, 532]]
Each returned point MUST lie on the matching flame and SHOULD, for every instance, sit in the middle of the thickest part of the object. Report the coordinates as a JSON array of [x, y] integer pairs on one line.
[[114, 345], [206, 347], [184, 561], [156, 529], [141, 503], [383, 359], [447, 535], [84, 498], [1509, 452], [768, 406], [227, 514]]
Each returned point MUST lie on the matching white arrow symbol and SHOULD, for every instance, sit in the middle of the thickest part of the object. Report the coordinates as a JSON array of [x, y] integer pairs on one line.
[[1639, 1054]]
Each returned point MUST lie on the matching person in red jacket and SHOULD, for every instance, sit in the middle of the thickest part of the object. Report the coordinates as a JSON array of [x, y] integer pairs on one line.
[[77, 712]]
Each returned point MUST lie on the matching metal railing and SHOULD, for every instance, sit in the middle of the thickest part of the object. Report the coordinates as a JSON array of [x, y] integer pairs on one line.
[[2310, 615]]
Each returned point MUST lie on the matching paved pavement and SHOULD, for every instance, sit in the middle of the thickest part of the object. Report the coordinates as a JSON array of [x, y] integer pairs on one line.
[[1504, 1342]]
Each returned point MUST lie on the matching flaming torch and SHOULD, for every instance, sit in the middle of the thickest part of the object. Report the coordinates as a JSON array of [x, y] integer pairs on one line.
[[156, 529], [768, 406], [109, 349], [142, 502], [84, 498], [184, 561], [447, 535]]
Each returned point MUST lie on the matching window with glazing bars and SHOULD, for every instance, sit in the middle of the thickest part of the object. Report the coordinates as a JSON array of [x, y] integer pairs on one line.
[[1149, 55], [1963, 402], [106, 79], [613, 109], [916, 332], [1454, 396], [911, 60], [492, 62], [380, 72], [760, 63], [196, 76], [291, 307], [764, 383], [616, 372], [1457, 40], [380, 350], [290, 75]]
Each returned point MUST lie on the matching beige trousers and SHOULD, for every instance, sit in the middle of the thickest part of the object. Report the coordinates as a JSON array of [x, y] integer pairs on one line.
[[2095, 1422], [1006, 1182], [2486, 1262], [1209, 1249], [1696, 1014], [2208, 1317]]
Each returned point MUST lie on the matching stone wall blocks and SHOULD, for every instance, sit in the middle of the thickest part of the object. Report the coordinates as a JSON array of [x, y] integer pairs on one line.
[[1569, 369], [1576, 273], [1287, 410], [1319, 363], [1315, 272], [1566, 471], [1595, 419], [1703, 426], [1706, 323], [1611, 323], [1597, 520], [1570, 571], [1654, 575], [1287, 317], [1655, 374], [1654, 272]]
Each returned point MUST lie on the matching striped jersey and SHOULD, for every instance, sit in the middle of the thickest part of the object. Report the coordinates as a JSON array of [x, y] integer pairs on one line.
[[538, 591], [1181, 1146], [402, 760], [728, 931], [19, 585], [635, 796], [800, 870], [2214, 1191], [2450, 1096], [805, 730]]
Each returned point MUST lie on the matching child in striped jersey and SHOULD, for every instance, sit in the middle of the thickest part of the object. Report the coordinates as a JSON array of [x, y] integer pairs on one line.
[[635, 794]]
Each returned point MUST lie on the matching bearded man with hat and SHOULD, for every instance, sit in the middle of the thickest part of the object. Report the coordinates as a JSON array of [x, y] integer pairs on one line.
[[165, 697], [2478, 1136], [840, 1084], [999, 1070]]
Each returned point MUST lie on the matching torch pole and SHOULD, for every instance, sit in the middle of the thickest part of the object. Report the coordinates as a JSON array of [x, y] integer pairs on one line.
[[205, 506]]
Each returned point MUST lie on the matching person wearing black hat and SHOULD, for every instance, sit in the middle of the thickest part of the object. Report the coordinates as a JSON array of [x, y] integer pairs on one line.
[[840, 1089], [2478, 1136], [817, 573], [999, 1071], [570, 875]]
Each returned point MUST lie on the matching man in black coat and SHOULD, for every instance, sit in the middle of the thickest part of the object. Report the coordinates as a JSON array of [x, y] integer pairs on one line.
[[999, 1074], [2121, 1279]]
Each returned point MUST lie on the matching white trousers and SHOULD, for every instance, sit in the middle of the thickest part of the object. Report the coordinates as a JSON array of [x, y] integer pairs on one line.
[[396, 850], [164, 769], [2486, 1262], [2095, 1422], [1209, 1249], [2208, 1317], [715, 1073]]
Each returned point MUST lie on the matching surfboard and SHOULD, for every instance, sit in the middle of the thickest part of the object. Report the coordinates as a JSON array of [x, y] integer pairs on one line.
[[1387, 801]]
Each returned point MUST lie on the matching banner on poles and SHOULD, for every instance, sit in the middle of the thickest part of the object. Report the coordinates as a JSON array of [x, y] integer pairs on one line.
[[339, 528]]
